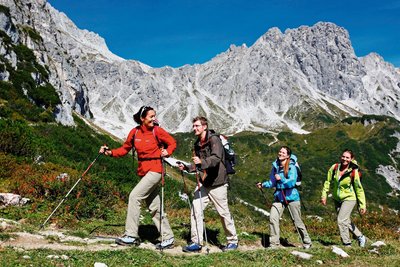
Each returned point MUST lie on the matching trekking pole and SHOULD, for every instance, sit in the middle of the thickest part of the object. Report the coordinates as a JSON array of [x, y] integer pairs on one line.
[[299, 188], [263, 194], [65, 197], [185, 194], [202, 211], [162, 201], [264, 241], [291, 215]]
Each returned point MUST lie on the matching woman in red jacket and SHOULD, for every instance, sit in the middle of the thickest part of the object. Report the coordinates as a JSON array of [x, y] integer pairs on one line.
[[151, 143]]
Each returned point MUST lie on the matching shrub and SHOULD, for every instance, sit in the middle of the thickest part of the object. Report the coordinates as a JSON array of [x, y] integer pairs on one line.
[[16, 138], [44, 95]]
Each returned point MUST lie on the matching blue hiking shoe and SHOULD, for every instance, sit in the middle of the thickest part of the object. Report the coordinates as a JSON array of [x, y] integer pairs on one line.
[[169, 243], [192, 247], [127, 240], [230, 246], [362, 241]]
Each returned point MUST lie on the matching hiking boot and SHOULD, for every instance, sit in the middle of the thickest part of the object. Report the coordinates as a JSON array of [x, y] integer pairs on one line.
[[362, 241], [169, 243], [230, 246], [192, 247], [127, 240], [307, 245]]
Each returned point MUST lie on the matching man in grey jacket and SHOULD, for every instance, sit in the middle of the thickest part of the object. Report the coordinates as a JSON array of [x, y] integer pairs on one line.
[[208, 163]]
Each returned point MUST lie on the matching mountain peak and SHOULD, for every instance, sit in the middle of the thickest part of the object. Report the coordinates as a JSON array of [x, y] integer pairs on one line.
[[299, 80]]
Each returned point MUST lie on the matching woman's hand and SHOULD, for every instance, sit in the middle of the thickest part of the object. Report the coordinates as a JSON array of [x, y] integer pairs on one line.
[[363, 211], [105, 150], [277, 177], [164, 152], [259, 185], [323, 201]]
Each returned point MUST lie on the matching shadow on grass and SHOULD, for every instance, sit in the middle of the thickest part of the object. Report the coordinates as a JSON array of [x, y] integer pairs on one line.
[[146, 232], [212, 236], [326, 243], [264, 239]]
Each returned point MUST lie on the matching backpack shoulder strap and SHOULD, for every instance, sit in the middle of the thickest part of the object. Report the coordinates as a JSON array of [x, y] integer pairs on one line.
[[212, 133], [353, 174], [134, 137], [217, 135], [336, 167], [353, 171]]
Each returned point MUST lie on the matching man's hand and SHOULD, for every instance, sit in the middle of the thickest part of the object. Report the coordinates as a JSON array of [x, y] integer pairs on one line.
[[196, 160], [180, 166]]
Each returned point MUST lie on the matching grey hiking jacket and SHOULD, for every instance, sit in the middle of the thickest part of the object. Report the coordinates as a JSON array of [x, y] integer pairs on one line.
[[212, 156]]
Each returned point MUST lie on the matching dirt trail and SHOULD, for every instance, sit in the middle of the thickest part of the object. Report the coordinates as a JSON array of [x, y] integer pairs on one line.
[[58, 241]]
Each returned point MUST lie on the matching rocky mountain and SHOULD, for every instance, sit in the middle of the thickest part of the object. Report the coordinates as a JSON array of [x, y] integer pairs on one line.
[[298, 80]]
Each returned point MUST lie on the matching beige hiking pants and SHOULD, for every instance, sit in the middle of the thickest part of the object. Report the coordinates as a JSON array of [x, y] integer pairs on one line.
[[344, 210], [275, 215], [146, 190], [219, 197]]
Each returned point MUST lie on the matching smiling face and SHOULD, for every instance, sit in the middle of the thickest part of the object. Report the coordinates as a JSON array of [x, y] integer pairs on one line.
[[346, 158], [283, 154], [149, 120]]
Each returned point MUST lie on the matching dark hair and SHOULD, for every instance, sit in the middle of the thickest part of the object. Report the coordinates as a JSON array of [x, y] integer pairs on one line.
[[142, 113], [202, 120], [350, 152]]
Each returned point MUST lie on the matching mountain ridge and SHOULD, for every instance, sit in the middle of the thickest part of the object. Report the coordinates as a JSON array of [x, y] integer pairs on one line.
[[299, 80]]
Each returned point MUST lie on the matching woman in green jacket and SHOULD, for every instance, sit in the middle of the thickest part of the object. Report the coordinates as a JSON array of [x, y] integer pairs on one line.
[[347, 192]]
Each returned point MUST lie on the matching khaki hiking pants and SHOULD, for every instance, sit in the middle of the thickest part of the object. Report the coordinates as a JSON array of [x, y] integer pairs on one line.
[[275, 215], [219, 197], [146, 190], [344, 210]]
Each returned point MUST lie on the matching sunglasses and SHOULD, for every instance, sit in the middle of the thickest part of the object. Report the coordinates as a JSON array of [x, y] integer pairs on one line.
[[144, 109]]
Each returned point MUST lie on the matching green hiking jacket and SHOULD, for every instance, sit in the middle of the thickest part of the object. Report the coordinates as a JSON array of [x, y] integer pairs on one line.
[[343, 187]]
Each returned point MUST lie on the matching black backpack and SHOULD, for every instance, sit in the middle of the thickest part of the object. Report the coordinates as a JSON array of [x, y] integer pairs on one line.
[[299, 175], [230, 155]]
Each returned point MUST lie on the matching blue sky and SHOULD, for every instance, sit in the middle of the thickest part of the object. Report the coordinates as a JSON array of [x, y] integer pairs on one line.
[[179, 32]]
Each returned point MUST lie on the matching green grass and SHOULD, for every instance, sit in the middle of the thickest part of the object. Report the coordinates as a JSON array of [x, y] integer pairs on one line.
[[98, 204], [139, 257]]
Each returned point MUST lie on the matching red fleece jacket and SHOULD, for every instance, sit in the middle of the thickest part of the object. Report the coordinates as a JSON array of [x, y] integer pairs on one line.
[[147, 146]]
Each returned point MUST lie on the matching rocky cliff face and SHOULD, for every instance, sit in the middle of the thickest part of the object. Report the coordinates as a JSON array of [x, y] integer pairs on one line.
[[298, 80]]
